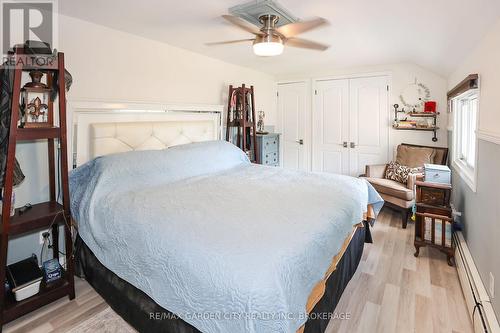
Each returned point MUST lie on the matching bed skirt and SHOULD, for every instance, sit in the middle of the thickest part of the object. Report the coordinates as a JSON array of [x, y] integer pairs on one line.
[[140, 311]]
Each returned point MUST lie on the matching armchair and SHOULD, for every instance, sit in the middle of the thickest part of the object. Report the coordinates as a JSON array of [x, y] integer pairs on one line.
[[400, 196]]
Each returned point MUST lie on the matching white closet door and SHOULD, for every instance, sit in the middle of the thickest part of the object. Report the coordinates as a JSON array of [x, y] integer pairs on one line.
[[330, 127], [292, 110], [369, 123]]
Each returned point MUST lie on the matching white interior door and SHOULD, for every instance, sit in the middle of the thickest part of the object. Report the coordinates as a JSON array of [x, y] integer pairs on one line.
[[369, 123], [350, 124], [292, 110], [330, 127]]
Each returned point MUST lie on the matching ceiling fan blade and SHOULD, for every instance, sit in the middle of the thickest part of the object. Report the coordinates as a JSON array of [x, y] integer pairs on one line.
[[230, 42], [294, 29], [306, 44], [239, 22]]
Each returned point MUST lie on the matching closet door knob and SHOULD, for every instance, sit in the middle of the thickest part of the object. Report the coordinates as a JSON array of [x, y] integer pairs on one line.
[[300, 141], [344, 144], [353, 145]]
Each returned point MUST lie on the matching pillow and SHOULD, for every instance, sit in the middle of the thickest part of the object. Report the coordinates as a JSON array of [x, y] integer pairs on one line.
[[398, 172], [414, 157]]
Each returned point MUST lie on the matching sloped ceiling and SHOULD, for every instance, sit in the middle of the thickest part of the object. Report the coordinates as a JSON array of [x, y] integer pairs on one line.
[[435, 34]]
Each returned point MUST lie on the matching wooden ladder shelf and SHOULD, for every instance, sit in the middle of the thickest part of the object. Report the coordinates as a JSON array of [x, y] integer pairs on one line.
[[43, 215], [241, 118]]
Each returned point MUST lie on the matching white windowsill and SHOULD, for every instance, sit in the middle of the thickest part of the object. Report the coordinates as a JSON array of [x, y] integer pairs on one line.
[[468, 175]]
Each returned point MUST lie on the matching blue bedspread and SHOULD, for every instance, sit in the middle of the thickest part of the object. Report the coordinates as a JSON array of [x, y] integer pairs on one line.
[[227, 245]]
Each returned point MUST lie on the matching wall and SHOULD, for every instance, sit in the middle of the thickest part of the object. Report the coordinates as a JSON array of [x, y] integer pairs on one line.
[[402, 75], [481, 209], [110, 65]]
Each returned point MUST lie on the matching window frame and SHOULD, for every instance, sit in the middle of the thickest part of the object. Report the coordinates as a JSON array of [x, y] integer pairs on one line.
[[460, 163]]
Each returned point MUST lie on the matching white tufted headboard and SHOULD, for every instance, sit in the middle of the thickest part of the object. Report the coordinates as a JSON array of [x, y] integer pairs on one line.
[[109, 138], [102, 131]]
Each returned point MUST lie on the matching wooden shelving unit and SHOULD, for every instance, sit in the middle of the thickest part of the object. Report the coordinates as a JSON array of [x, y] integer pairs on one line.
[[240, 126], [423, 114], [432, 128], [433, 210], [43, 215]]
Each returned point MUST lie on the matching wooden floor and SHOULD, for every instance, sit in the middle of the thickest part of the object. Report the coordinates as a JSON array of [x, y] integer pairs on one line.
[[392, 291]]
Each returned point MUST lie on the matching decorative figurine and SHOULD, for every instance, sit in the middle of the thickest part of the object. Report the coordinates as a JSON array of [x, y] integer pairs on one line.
[[260, 123]]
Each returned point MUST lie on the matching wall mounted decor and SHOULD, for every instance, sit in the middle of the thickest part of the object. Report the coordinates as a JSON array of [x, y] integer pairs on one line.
[[414, 96]]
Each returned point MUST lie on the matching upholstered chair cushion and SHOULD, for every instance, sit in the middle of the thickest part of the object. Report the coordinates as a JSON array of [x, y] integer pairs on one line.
[[375, 170], [414, 157], [391, 188], [406, 204]]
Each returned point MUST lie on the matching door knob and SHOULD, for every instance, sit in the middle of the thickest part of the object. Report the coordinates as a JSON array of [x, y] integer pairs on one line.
[[353, 145], [344, 144], [300, 141]]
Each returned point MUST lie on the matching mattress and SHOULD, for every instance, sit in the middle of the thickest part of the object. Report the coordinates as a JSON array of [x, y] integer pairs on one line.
[[226, 245], [140, 311]]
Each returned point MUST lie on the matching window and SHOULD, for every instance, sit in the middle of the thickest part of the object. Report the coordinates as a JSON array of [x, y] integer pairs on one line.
[[465, 110]]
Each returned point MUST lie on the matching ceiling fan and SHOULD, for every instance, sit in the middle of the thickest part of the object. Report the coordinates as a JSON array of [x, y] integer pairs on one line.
[[270, 40]]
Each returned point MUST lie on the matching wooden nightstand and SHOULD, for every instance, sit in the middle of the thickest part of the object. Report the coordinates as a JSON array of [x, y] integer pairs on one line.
[[434, 222]]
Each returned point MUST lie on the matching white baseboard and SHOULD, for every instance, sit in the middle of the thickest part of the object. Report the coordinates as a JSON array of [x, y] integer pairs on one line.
[[478, 302]]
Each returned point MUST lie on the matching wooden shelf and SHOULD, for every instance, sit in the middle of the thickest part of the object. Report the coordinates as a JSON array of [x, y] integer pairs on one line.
[[38, 217], [429, 129], [433, 185], [38, 133], [423, 114], [240, 109], [42, 215], [48, 293], [426, 206]]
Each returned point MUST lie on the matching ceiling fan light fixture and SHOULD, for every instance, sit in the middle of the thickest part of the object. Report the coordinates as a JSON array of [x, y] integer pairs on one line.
[[268, 46]]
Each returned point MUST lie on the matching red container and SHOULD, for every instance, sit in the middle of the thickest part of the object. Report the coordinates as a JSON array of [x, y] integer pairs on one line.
[[430, 106]]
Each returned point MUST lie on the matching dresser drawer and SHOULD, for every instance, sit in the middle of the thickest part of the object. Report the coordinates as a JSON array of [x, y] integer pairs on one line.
[[270, 158], [433, 197], [269, 144]]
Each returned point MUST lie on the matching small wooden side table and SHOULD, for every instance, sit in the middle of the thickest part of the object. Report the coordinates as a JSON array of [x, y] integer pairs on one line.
[[434, 222]]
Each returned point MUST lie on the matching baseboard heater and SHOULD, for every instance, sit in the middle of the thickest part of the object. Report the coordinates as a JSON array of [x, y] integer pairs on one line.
[[477, 300]]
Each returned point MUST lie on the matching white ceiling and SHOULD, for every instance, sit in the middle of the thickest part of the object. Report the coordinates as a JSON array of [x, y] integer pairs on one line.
[[435, 34]]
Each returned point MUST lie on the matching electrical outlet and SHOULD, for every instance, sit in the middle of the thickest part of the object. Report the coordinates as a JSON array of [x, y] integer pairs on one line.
[[41, 236], [492, 285]]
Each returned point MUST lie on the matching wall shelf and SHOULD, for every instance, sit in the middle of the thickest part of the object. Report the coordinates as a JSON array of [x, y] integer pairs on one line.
[[423, 114], [430, 115], [425, 129], [429, 129], [44, 215]]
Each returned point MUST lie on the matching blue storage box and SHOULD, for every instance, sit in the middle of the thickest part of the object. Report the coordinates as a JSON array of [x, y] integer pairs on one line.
[[436, 173], [52, 270]]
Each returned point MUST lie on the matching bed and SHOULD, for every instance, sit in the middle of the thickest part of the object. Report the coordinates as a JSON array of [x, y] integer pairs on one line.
[[192, 237]]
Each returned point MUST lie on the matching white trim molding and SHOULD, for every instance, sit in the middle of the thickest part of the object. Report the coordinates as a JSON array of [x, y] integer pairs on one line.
[[100, 111], [488, 136], [476, 298], [467, 175]]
